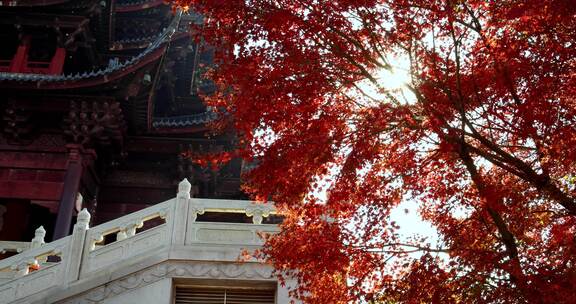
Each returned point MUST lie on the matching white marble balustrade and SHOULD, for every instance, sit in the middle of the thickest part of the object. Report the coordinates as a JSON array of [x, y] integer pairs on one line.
[[170, 226]]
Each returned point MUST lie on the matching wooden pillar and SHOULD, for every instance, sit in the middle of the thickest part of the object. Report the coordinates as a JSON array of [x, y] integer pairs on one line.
[[20, 60], [72, 178]]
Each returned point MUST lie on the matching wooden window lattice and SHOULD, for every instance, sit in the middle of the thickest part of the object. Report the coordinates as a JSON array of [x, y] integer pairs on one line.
[[207, 295]]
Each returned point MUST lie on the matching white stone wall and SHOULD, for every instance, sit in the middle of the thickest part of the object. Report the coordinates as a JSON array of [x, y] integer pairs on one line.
[[159, 292]]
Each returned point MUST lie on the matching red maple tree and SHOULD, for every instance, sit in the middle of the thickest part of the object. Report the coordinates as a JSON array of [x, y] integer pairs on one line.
[[486, 145]]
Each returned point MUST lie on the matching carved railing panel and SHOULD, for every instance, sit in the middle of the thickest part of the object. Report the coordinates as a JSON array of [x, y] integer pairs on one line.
[[33, 270], [228, 234], [232, 234], [127, 239]]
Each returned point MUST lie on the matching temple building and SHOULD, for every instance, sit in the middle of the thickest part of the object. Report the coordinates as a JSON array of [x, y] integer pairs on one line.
[[100, 201], [100, 101]]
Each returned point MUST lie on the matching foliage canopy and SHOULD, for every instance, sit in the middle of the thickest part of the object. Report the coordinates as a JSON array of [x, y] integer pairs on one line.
[[484, 142]]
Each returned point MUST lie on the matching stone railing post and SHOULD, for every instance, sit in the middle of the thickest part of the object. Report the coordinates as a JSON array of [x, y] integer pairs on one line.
[[73, 258], [181, 212], [38, 239]]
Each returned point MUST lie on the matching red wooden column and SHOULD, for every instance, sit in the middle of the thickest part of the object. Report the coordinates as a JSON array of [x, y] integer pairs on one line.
[[20, 60], [72, 178]]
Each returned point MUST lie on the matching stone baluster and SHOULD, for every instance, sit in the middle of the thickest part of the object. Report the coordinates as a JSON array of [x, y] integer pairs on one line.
[[195, 211], [131, 228], [121, 235], [73, 256], [258, 212], [181, 212], [38, 239], [97, 239]]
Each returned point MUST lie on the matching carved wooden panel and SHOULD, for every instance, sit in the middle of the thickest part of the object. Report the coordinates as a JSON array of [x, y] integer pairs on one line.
[[91, 122]]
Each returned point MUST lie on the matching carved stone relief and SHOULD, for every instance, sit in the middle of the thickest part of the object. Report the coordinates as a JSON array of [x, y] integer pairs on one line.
[[203, 270]]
